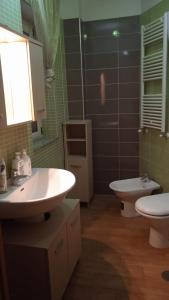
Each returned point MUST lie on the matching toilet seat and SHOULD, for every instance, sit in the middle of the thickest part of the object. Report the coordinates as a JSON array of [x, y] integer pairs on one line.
[[154, 206]]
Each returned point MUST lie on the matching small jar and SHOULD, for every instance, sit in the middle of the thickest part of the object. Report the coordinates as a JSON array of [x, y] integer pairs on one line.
[[17, 164]]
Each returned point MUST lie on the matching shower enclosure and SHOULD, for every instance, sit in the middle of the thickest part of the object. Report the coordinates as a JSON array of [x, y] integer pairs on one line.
[[103, 67]]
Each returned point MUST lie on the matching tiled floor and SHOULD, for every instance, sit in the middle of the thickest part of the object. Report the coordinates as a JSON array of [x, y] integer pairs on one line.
[[117, 263]]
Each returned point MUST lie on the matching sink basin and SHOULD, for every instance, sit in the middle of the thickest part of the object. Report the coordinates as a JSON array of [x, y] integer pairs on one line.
[[38, 194]]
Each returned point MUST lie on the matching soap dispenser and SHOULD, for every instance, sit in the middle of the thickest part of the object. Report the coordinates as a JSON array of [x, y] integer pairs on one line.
[[3, 176]]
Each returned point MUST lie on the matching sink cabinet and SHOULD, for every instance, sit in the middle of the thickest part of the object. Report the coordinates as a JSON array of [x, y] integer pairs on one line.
[[41, 256]]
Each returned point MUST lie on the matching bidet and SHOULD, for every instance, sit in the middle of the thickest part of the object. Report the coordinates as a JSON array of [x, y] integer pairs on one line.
[[129, 190]]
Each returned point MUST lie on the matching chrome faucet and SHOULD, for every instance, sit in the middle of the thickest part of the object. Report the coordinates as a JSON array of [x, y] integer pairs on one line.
[[145, 178], [16, 179]]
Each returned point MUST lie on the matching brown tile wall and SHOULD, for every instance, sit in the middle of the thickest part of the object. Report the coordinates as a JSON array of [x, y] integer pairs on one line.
[[115, 124]]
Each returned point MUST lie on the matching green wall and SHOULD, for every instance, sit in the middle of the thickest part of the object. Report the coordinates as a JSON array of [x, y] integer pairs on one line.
[[70, 9], [147, 4], [18, 137], [89, 10], [154, 150], [155, 12], [100, 10]]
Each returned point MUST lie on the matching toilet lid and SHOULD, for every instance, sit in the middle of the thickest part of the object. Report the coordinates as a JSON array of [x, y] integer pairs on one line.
[[155, 205]]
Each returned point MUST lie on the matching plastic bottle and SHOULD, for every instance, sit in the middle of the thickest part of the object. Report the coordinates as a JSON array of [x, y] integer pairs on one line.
[[17, 164], [3, 177], [27, 169]]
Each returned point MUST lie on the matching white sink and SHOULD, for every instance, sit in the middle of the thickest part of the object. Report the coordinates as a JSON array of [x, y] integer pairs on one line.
[[38, 194]]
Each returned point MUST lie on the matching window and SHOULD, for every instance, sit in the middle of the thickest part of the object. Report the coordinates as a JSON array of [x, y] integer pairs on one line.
[[37, 131]]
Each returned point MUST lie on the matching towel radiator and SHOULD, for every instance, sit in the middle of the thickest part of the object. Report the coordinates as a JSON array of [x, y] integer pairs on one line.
[[154, 39]]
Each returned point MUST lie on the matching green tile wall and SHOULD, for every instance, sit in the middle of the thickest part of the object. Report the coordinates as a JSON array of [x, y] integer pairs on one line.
[[155, 12], [154, 150], [10, 14], [53, 154], [17, 137]]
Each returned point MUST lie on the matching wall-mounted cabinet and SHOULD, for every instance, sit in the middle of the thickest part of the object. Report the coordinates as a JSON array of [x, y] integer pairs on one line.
[[37, 79], [41, 256], [22, 96], [78, 157]]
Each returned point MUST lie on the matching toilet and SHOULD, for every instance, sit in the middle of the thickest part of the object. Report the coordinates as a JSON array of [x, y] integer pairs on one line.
[[129, 190], [156, 209]]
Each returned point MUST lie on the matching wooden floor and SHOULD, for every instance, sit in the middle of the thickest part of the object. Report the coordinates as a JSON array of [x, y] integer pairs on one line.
[[117, 263]]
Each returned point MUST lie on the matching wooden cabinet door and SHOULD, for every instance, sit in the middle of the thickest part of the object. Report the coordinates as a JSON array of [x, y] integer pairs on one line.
[[38, 80], [74, 239], [4, 293], [58, 260]]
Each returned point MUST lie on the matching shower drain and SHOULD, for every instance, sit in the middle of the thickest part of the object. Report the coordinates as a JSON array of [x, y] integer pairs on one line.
[[165, 275]]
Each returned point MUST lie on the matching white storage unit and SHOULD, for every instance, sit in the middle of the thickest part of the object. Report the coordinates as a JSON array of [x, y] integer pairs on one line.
[[41, 256], [78, 157], [22, 88], [16, 105]]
